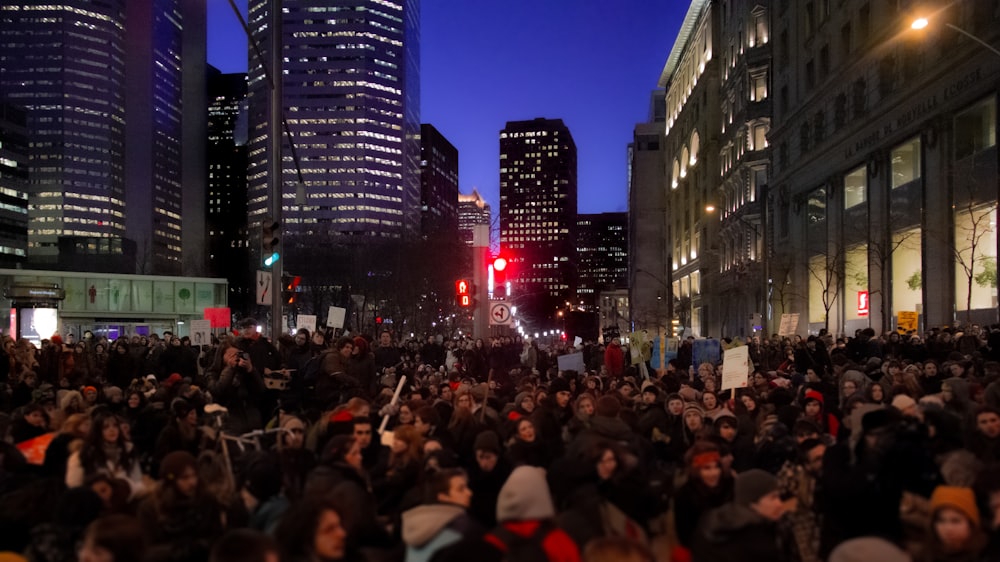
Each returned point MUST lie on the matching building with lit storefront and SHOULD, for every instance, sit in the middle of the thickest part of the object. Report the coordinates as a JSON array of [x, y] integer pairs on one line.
[[884, 191]]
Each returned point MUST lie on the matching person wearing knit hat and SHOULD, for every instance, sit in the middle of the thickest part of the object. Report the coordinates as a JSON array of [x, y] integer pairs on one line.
[[709, 485], [955, 532], [694, 420], [180, 466], [744, 529], [906, 405], [607, 406]]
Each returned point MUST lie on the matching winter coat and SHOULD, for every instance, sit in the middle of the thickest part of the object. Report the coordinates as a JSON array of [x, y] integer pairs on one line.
[[427, 529], [693, 501], [736, 533], [614, 360]]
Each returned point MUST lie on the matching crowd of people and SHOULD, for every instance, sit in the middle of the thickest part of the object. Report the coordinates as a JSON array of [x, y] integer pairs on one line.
[[314, 448]]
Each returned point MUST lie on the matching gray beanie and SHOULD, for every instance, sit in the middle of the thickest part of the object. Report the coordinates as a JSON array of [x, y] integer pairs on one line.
[[752, 485], [525, 496], [866, 549]]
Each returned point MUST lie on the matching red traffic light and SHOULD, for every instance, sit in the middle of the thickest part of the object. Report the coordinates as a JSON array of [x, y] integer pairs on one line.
[[499, 264], [463, 287]]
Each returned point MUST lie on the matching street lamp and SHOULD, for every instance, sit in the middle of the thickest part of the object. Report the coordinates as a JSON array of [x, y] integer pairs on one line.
[[922, 23]]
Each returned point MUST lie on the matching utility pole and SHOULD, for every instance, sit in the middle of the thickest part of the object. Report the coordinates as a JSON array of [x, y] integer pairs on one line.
[[480, 256], [275, 164]]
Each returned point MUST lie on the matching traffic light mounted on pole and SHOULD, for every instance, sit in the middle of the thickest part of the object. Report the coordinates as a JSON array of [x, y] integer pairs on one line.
[[270, 242], [465, 292]]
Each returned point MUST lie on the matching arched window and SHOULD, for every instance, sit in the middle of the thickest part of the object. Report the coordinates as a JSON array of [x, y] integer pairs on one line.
[[676, 173], [685, 156], [695, 143]]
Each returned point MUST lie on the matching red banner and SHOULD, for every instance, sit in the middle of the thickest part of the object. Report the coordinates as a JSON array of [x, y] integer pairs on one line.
[[34, 449], [219, 317]]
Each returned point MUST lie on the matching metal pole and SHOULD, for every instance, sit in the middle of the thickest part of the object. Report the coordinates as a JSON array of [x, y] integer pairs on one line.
[[982, 43], [275, 165]]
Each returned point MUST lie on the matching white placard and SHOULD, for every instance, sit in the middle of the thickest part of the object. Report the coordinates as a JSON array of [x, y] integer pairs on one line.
[[306, 321], [335, 317], [735, 367], [201, 332], [577, 341], [572, 362]]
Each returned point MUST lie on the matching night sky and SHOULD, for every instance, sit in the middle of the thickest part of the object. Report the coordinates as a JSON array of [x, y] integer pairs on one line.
[[591, 63]]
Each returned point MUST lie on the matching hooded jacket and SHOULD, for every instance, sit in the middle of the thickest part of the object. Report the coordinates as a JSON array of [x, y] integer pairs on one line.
[[430, 528], [736, 533]]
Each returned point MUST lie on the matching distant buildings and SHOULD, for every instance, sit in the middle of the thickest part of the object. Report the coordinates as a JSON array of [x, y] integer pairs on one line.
[[648, 272], [228, 246], [351, 100], [13, 185], [115, 147], [438, 184], [538, 206], [601, 255], [472, 210]]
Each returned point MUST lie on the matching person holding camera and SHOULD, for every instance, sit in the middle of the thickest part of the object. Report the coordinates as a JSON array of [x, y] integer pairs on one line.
[[235, 385]]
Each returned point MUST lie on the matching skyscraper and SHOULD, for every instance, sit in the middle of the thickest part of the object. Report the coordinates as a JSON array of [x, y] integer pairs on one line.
[[127, 74], [438, 183], [538, 194], [155, 121], [73, 86], [228, 250], [13, 185], [351, 100], [472, 210], [602, 254]]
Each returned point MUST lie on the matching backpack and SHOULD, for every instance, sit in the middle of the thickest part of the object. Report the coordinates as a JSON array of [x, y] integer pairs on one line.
[[524, 549]]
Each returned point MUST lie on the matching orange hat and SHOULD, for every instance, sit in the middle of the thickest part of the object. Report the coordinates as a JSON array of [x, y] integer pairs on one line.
[[955, 497]]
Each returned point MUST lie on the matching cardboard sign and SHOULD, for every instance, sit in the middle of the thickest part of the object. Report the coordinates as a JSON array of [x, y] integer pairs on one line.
[[201, 332], [789, 324], [908, 321], [335, 317], [307, 322], [609, 334], [736, 368], [572, 362]]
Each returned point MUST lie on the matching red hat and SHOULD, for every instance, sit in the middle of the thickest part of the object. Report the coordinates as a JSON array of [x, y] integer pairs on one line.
[[173, 379], [815, 395]]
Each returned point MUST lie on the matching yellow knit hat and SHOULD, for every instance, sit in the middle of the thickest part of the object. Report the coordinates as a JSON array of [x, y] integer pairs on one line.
[[7, 556], [962, 499]]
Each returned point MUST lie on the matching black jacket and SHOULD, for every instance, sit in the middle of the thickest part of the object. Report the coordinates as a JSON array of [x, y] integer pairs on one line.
[[735, 533]]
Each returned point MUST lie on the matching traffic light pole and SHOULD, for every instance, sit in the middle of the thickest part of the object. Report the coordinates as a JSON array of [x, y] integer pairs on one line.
[[480, 256], [275, 162]]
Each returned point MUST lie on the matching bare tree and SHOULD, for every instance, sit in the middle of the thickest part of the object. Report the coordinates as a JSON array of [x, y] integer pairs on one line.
[[828, 269], [972, 227], [882, 251]]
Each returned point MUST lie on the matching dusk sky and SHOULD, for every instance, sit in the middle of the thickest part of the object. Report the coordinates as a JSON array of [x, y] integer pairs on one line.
[[591, 63]]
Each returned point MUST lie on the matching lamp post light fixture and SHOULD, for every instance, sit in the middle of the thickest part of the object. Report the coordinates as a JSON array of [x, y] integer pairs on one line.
[[923, 22]]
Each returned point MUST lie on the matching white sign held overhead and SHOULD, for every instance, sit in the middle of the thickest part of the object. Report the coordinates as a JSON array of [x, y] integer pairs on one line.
[[335, 318], [789, 324], [201, 332], [500, 313], [263, 287], [735, 367], [307, 322]]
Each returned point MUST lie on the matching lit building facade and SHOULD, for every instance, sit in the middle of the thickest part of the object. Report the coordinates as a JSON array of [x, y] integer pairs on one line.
[[884, 191], [648, 274], [438, 183], [692, 81], [73, 87], [228, 246], [744, 160], [13, 185], [472, 210], [538, 206], [601, 255], [351, 99]]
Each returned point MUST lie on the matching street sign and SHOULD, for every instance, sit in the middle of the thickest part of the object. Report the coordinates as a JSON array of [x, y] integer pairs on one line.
[[263, 287], [500, 313]]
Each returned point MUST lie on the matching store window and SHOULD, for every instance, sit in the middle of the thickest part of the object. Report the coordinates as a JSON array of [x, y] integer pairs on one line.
[[975, 257], [906, 163], [819, 281], [975, 128], [855, 279], [855, 188], [907, 272]]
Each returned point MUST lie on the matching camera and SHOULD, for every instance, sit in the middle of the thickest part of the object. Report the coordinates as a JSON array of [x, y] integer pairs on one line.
[[244, 355]]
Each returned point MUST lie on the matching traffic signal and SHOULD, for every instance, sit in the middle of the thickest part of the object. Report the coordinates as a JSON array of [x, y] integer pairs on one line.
[[270, 242], [464, 293], [499, 264], [290, 288]]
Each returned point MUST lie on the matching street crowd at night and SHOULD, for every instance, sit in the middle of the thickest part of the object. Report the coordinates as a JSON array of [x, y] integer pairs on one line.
[[380, 448]]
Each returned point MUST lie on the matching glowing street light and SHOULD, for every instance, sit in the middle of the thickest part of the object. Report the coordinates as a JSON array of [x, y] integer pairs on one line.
[[919, 23], [923, 23]]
